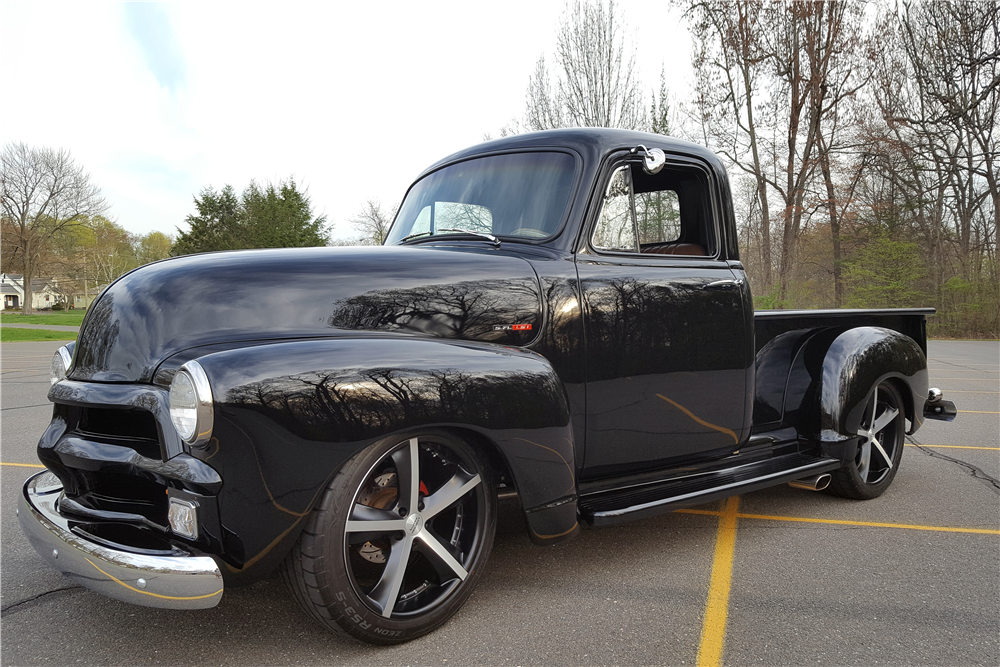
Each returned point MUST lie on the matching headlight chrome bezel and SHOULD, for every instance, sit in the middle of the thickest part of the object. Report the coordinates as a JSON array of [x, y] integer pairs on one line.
[[59, 366], [203, 407]]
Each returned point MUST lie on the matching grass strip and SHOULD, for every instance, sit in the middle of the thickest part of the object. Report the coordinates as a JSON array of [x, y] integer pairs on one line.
[[8, 335], [69, 318]]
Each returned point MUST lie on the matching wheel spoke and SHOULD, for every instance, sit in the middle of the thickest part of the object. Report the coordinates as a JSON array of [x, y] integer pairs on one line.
[[440, 556], [885, 419], [869, 415], [407, 460], [366, 519], [864, 464], [386, 591], [449, 493], [885, 457]]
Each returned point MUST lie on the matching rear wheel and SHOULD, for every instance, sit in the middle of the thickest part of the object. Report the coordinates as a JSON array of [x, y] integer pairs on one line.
[[398, 541], [880, 447]]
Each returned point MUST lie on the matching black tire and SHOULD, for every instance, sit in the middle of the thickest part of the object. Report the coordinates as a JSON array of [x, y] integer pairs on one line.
[[416, 567], [880, 447]]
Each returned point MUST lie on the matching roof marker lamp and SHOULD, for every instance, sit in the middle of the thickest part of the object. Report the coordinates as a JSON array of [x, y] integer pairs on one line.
[[191, 409]]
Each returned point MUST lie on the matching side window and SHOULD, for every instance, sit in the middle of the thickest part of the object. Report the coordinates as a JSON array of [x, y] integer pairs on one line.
[[658, 216], [667, 213], [616, 226]]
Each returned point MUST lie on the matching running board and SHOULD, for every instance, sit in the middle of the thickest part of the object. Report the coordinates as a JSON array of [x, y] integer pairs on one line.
[[613, 507]]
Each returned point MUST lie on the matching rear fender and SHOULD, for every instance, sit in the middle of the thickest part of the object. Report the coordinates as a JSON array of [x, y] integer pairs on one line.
[[835, 372], [288, 415]]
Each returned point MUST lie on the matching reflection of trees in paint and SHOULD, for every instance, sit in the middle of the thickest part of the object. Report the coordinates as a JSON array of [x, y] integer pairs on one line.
[[635, 327], [352, 404], [99, 335], [561, 341], [466, 310]]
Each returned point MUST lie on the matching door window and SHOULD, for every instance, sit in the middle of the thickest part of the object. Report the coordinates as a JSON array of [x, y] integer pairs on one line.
[[655, 214], [616, 226]]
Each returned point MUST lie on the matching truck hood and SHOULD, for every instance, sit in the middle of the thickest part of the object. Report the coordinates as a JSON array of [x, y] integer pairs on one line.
[[168, 307]]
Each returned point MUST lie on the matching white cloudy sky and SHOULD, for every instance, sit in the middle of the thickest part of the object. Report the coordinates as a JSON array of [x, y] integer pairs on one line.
[[159, 100]]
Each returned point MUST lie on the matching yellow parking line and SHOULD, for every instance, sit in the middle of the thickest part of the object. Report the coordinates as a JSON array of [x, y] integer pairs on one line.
[[872, 524], [992, 449], [988, 368], [980, 412], [713, 631], [941, 361], [23, 465], [966, 391], [970, 379]]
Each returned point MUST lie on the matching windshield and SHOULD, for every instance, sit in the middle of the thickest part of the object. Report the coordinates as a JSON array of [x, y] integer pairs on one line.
[[522, 195]]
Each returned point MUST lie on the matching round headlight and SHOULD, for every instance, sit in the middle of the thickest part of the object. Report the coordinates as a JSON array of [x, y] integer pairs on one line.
[[184, 406], [191, 404], [60, 364]]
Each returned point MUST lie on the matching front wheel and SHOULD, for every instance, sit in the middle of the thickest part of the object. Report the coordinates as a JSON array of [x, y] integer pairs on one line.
[[880, 447], [398, 541]]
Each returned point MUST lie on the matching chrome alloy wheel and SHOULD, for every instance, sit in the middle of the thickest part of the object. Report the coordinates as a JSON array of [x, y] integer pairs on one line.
[[415, 526], [881, 433], [880, 447]]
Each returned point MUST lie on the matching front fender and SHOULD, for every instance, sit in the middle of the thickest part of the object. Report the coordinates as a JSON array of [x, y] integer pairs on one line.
[[288, 415]]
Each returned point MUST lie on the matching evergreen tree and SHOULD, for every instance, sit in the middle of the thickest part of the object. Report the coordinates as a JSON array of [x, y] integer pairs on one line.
[[262, 217]]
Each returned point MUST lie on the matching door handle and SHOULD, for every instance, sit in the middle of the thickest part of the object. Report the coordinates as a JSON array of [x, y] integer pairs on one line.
[[723, 284]]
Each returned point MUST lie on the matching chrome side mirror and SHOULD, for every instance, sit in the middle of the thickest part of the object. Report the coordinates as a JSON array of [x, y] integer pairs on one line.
[[654, 159]]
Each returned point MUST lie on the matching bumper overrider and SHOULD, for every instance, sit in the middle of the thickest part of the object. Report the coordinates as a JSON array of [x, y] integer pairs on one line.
[[180, 581], [938, 408]]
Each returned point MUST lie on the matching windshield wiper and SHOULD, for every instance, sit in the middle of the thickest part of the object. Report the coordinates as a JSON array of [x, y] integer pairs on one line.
[[490, 237], [413, 236]]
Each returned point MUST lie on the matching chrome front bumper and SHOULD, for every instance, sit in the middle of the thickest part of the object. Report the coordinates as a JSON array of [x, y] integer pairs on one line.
[[171, 582]]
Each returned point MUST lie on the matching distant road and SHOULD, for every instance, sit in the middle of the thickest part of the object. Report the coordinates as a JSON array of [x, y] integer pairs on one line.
[[49, 327]]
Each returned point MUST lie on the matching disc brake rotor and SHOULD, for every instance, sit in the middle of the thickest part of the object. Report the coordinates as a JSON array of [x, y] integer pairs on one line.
[[380, 493]]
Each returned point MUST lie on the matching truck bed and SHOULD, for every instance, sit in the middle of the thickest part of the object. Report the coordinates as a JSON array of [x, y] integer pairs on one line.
[[912, 322]]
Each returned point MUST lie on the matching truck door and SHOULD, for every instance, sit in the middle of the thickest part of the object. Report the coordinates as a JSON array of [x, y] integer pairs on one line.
[[665, 327]]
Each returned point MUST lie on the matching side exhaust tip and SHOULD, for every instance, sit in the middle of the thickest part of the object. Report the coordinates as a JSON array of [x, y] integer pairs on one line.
[[814, 483]]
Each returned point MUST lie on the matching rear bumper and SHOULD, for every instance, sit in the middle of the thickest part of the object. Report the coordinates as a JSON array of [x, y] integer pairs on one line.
[[172, 582], [940, 409]]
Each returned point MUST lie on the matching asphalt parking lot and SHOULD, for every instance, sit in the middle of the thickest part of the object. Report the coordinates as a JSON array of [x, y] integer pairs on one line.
[[777, 577]]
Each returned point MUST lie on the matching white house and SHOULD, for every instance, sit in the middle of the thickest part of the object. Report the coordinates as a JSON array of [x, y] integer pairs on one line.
[[45, 292]]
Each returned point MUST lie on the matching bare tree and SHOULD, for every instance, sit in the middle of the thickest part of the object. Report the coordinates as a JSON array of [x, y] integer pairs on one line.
[[595, 83], [729, 60], [43, 192], [833, 35], [771, 79], [373, 222], [932, 149], [864, 136], [954, 49]]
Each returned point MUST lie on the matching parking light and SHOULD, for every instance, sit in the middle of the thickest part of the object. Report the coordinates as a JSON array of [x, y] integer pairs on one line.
[[183, 516]]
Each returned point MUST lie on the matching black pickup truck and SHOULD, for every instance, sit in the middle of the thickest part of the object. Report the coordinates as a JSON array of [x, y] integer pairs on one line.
[[559, 317]]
